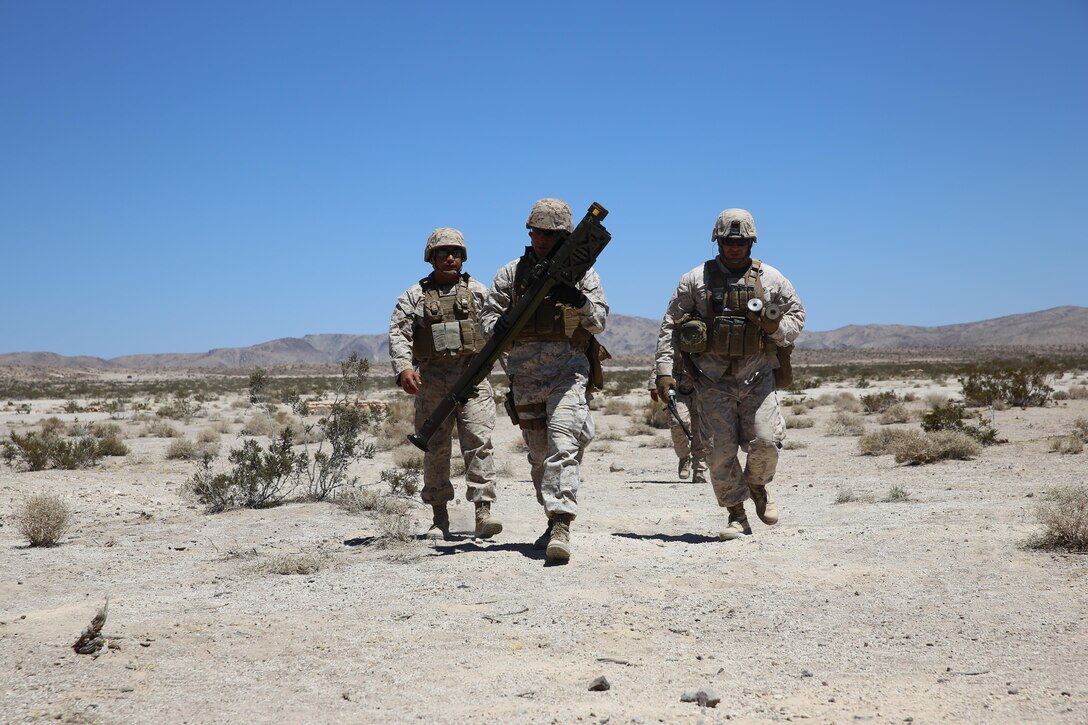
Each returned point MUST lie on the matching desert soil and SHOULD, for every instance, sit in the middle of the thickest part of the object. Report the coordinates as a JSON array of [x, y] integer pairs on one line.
[[924, 610]]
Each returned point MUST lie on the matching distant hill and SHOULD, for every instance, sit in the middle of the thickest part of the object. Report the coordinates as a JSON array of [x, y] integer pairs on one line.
[[626, 335]]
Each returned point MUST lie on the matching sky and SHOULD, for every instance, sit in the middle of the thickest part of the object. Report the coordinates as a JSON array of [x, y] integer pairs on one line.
[[185, 175]]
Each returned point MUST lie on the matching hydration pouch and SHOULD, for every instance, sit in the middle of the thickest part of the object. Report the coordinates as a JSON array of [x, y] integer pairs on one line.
[[692, 336]]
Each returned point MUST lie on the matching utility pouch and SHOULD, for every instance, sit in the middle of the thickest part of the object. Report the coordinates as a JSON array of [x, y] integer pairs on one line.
[[596, 353], [511, 409], [735, 338], [470, 336], [783, 374], [692, 336], [446, 337]]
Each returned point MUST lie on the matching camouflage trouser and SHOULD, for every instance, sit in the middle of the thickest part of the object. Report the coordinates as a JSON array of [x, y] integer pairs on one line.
[[556, 448], [736, 415], [687, 407], [475, 421]]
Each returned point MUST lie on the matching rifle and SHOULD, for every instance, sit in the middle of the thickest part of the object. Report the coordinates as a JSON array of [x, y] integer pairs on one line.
[[670, 403], [566, 263]]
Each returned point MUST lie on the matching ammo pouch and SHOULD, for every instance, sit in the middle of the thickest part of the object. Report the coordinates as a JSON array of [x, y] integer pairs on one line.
[[735, 337], [448, 328], [551, 321], [692, 336], [783, 374], [511, 409]]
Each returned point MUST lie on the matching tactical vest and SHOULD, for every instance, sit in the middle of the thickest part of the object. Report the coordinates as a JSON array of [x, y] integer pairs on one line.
[[552, 321], [728, 332], [449, 327]]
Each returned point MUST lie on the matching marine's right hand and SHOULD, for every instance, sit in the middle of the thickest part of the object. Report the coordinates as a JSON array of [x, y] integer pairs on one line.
[[665, 383], [410, 381]]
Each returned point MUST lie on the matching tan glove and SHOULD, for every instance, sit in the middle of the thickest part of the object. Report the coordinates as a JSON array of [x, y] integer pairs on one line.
[[665, 383], [768, 326]]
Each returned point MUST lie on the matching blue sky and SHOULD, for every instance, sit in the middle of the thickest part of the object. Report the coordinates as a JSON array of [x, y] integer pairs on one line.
[[178, 176]]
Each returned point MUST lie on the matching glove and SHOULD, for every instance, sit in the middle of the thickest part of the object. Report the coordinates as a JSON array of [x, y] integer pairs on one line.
[[768, 326], [568, 295], [665, 383]]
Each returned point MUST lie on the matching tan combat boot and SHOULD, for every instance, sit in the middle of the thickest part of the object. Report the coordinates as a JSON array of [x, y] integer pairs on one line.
[[738, 524], [541, 542], [684, 470], [440, 525], [765, 506], [486, 524], [558, 550], [698, 474]]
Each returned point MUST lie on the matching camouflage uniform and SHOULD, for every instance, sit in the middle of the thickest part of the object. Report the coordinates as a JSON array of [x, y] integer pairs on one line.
[[737, 400], [549, 384], [687, 407], [475, 420]]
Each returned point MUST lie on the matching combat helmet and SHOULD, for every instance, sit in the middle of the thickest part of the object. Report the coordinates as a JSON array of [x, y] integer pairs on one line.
[[444, 237], [551, 214], [734, 223]]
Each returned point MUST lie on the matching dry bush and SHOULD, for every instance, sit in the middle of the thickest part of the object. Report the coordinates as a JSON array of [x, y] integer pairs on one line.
[[396, 530], [638, 428], [208, 435], [1080, 428], [183, 449], [161, 429], [399, 422], [408, 456], [43, 519], [797, 421], [845, 495], [609, 435], [847, 403], [615, 406], [77, 429], [879, 402], [1063, 515], [896, 494], [1078, 392], [792, 445], [845, 424], [356, 498], [259, 425], [920, 448], [657, 442], [221, 426], [883, 442], [936, 399], [897, 413], [53, 425], [1067, 445], [288, 564]]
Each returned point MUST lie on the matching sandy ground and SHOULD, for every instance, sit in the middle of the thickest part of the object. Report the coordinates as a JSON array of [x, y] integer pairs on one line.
[[926, 610]]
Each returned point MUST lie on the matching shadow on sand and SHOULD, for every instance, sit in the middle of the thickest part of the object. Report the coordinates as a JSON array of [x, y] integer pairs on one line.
[[682, 538]]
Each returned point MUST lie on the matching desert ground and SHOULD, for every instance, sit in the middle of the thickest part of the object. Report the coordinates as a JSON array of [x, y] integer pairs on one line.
[[928, 608]]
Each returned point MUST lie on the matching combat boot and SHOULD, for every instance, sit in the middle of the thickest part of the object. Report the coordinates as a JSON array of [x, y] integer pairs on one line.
[[684, 470], [440, 524], [558, 551], [738, 524], [766, 509], [541, 542], [699, 476], [486, 524]]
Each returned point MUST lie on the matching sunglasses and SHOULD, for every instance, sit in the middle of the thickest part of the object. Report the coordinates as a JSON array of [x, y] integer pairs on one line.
[[442, 252], [546, 233], [734, 241]]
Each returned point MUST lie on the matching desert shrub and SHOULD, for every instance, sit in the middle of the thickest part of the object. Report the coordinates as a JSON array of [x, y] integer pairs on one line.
[[161, 429], [396, 530], [112, 445], [1067, 445], [847, 402], [1078, 392], [408, 456], [804, 382], [104, 430], [844, 495], [792, 445], [920, 448], [1080, 428], [845, 424], [183, 449], [615, 406], [896, 494], [38, 451], [77, 429], [294, 564], [950, 417], [258, 477], [398, 423], [208, 435], [1063, 514], [261, 425], [638, 428], [73, 407], [655, 415], [356, 498], [53, 425], [798, 421], [657, 442], [402, 481], [882, 442], [182, 407], [879, 402], [896, 413], [43, 519], [1059, 395], [1020, 386], [936, 399]]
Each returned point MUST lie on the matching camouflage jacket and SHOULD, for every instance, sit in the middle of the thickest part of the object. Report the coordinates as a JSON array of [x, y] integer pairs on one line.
[[544, 360], [408, 312], [691, 297]]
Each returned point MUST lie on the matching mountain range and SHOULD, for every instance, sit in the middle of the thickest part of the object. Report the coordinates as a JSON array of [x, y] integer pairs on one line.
[[626, 335]]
